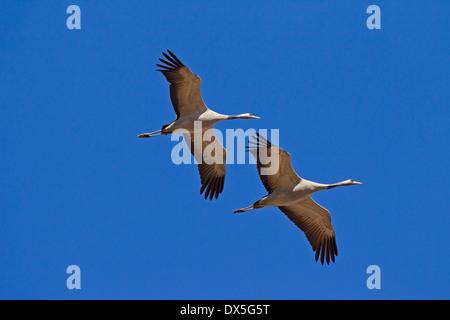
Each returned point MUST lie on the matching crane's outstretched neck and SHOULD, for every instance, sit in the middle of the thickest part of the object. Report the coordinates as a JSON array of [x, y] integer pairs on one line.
[[348, 182], [243, 116]]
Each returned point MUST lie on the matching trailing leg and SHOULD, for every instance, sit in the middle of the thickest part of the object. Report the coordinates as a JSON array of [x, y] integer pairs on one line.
[[258, 204], [244, 209], [151, 134]]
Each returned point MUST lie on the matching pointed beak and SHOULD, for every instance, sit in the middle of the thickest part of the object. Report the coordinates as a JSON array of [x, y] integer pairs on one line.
[[356, 182], [255, 117]]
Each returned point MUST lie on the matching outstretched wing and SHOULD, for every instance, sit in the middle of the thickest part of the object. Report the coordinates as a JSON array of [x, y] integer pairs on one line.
[[211, 156], [273, 164], [315, 222], [184, 86]]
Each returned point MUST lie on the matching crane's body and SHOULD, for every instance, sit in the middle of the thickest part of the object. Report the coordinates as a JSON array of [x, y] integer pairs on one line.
[[295, 193], [208, 119]]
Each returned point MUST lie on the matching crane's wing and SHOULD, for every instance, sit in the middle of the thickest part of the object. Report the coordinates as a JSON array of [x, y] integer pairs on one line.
[[211, 156], [184, 86], [281, 174], [315, 222]]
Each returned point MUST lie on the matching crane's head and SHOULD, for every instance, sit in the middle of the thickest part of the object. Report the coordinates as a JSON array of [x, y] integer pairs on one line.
[[352, 182]]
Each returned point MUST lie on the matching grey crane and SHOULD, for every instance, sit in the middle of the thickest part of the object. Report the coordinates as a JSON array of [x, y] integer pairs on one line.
[[291, 194], [189, 108]]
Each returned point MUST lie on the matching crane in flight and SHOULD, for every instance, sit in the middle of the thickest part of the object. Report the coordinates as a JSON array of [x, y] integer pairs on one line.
[[291, 194], [189, 107]]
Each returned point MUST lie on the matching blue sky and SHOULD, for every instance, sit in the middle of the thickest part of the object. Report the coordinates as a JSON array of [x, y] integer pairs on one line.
[[78, 187]]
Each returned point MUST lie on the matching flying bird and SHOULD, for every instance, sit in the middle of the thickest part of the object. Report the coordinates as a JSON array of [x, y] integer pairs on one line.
[[189, 107], [291, 194]]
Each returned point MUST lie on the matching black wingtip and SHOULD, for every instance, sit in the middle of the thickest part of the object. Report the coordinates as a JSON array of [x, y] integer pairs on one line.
[[326, 251], [170, 59], [163, 66], [175, 58], [212, 188], [171, 64]]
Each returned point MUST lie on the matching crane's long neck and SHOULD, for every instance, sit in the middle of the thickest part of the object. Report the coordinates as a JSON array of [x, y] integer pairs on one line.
[[319, 186], [216, 117], [341, 184], [239, 116]]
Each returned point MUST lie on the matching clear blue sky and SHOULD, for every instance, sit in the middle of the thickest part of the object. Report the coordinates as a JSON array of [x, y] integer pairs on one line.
[[78, 187]]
